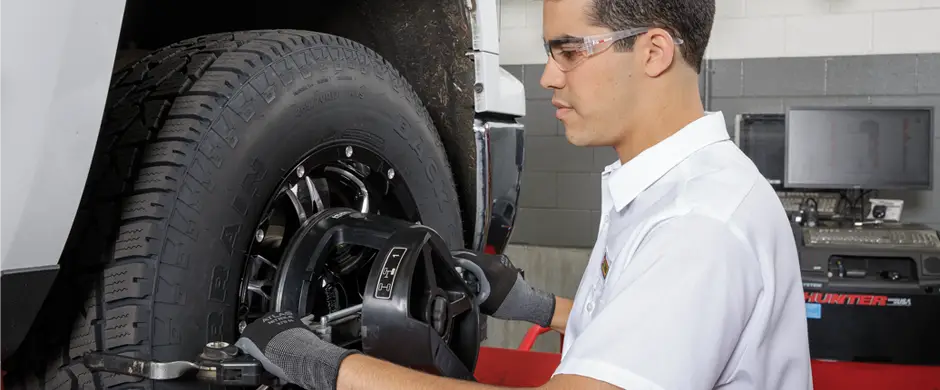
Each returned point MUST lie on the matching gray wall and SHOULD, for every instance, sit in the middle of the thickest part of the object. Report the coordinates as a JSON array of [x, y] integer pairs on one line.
[[560, 200], [771, 85]]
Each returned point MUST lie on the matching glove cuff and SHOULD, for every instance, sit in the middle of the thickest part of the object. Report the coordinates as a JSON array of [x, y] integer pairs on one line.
[[527, 303]]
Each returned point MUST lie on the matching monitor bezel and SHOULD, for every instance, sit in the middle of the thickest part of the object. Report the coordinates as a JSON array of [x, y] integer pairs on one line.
[[931, 110], [756, 117]]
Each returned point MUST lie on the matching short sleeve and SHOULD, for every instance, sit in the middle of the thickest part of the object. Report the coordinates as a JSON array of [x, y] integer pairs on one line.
[[675, 313]]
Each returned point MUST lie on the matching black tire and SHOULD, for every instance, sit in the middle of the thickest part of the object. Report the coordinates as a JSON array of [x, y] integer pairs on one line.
[[194, 140]]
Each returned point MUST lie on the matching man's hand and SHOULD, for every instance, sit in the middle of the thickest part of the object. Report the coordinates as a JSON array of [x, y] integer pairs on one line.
[[293, 353], [511, 297]]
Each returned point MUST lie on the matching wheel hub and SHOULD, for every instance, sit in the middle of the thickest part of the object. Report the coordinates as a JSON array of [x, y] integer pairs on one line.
[[331, 176], [416, 309], [319, 250]]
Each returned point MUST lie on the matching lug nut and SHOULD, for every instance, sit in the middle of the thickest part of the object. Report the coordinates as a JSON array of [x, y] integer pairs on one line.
[[241, 326], [259, 235], [349, 151], [218, 351], [300, 171], [391, 173]]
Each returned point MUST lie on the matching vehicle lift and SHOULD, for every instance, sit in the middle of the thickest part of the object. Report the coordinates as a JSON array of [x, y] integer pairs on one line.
[[420, 305]]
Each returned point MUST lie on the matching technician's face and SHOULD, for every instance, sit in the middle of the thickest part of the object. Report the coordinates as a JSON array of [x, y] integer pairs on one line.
[[594, 98]]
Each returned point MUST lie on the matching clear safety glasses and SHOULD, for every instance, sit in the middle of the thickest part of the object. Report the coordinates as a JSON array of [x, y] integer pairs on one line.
[[569, 52]]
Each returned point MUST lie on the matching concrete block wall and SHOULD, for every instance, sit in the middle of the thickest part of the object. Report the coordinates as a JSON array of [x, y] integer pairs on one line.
[[800, 28]]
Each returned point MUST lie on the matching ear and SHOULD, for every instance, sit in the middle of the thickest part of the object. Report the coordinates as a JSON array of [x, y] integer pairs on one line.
[[660, 51]]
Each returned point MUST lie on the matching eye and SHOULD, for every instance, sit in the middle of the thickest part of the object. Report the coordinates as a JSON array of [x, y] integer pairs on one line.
[[569, 49]]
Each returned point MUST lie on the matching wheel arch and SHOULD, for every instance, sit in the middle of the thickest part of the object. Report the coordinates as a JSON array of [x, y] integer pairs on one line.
[[428, 41]]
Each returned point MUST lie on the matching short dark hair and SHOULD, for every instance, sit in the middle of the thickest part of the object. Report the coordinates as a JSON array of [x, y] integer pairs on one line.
[[690, 20]]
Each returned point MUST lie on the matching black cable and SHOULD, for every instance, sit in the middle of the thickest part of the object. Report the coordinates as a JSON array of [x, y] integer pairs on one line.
[[806, 200], [848, 205], [810, 215], [861, 204], [855, 204]]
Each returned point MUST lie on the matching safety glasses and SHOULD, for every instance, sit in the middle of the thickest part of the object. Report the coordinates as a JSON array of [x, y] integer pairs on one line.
[[569, 52]]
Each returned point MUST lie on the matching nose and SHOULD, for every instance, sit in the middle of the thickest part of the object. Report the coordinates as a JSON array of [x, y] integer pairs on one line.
[[552, 76]]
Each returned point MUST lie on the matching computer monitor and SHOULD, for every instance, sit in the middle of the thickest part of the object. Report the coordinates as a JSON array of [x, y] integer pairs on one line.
[[762, 137], [859, 147]]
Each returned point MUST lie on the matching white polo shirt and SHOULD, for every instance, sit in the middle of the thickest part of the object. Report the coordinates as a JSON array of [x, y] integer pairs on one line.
[[701, 285]]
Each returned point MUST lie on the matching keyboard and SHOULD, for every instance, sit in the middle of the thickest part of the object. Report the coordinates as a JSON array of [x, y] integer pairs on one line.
[[826, 202], [872, 237]]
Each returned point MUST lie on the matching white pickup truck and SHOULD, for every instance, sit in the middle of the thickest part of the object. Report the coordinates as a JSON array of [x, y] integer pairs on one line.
[[150, 149]]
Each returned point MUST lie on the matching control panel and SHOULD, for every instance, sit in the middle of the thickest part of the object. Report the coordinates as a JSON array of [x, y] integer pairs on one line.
[[871, 237], [827, 203]]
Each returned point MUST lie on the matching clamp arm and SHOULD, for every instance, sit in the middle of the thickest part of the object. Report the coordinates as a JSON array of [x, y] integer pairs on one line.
[[220, 363], [97, 361]]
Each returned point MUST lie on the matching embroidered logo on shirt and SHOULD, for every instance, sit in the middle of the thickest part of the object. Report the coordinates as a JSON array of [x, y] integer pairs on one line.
[[605, 266]]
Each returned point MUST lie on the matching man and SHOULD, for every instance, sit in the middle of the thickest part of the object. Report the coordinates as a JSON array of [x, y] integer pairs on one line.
[[693, 282]]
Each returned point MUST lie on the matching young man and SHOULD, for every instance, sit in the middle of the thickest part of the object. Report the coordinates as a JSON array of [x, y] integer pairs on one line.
[[693, 282]]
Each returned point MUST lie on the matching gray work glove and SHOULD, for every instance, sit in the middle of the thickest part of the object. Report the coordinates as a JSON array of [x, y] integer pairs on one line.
[[289, 350], [511, 297]]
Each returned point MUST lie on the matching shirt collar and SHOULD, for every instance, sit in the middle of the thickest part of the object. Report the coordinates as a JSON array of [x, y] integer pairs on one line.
[[626, 181]]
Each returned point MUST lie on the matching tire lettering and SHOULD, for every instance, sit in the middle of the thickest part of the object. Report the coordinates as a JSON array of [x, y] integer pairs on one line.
[[217, 289], [326, 97], [229, 233], [400, 130], [431, 172], [249, 188]]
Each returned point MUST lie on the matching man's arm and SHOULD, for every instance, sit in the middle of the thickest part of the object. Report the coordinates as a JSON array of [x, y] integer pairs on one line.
[[292, 352], [560, 316], [361, 372]]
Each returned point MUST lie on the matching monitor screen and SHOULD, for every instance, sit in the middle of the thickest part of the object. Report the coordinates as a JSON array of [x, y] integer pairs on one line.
[[762, 137], [866, 148]]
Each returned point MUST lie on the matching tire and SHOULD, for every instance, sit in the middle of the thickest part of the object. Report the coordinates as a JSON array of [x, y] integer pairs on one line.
[[195, 138]]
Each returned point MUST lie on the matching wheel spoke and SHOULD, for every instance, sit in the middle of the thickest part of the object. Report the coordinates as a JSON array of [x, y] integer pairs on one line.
[[255, 280], [363, 191], [256, 263], [429, 268], [295, 201], [314, 194], [257, 287], [260, 260]]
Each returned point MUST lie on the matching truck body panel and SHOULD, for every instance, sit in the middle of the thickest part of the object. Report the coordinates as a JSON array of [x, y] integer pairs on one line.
[[56, 63]]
